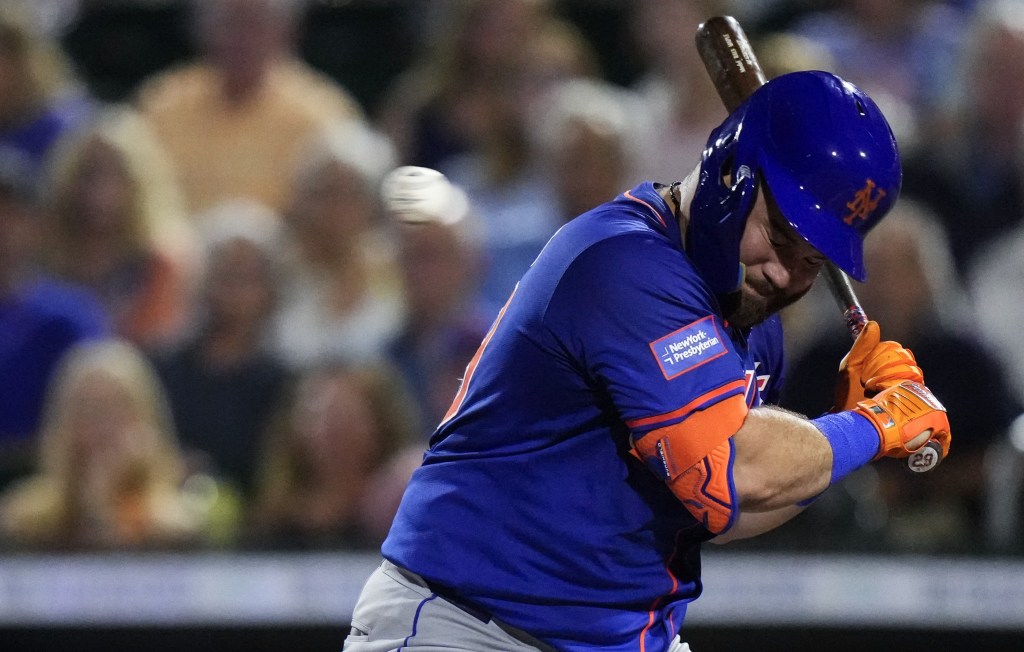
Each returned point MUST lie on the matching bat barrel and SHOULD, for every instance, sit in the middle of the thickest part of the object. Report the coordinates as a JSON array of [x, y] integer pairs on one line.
[[729, 60]]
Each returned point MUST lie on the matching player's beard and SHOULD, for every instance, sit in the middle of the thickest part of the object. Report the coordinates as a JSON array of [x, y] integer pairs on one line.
[[755, 302]]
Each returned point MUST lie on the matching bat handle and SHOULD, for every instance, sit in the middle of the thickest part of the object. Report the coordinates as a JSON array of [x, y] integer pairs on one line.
[[928, 456], [855, 319], [846, 298]]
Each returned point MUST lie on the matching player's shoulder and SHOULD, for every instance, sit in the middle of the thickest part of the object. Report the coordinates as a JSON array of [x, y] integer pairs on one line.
[[606, 248], [620, 263], [626, 239], [636, 215]]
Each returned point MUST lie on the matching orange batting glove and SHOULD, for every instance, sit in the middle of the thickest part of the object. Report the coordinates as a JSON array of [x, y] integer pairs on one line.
[[871, 366], [906, 416]]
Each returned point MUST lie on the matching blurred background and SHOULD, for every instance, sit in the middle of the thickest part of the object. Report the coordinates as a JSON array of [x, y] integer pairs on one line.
[[227, 328]]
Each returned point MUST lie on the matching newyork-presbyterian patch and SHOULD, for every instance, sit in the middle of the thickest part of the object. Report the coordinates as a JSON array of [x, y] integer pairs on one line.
[[689, 347]]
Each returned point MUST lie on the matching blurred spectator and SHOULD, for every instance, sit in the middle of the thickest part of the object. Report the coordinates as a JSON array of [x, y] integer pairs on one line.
[[119, 227], [899, 52], [997, 291], [39, 98], [383, 490], [440, 261], [39, 316], [915, 295], [1004, 492], [223, 381], [110, 471], [678, 105], [784, 52], [343, 425], [116, 44], [466, 110], [343, 297], [497, 166], [233, 119], [972, 171], [585, 144], [557, 53], [442, 105]]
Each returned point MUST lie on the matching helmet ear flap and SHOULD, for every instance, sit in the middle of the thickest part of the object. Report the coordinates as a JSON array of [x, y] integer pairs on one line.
[[722, 202]]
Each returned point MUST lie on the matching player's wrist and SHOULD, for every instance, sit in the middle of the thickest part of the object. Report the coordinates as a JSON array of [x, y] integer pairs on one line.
[[854, 440]]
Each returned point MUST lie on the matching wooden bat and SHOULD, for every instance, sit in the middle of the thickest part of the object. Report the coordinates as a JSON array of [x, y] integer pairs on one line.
[[730, 62]]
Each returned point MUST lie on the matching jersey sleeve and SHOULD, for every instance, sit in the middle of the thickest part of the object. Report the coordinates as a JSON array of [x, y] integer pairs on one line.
[[635, 314]]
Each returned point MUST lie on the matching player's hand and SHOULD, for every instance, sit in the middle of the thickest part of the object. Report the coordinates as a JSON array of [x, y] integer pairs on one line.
[[906, 416], [871, 366]]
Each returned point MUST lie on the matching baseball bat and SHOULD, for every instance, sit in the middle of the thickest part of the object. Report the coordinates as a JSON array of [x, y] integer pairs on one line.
[[736, 73]]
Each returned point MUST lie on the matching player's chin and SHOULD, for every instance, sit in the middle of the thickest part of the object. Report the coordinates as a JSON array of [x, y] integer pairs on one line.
[[752, 309]]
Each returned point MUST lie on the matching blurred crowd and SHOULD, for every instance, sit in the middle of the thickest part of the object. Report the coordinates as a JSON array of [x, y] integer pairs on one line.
[[247, 247]]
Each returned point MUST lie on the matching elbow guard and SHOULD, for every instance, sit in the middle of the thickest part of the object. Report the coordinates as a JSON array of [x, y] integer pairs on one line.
[[707, 489], [695, 458]]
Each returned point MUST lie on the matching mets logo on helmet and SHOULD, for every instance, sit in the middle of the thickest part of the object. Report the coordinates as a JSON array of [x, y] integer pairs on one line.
[[863, 203]]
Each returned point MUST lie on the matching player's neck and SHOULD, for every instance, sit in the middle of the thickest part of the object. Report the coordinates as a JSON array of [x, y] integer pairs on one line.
[[679, 195]]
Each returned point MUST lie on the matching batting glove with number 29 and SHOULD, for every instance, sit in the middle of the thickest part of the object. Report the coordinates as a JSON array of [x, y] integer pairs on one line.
[[906, 417]]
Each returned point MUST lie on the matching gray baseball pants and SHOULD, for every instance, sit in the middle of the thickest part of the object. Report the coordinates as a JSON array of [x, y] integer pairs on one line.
[[398, 611]]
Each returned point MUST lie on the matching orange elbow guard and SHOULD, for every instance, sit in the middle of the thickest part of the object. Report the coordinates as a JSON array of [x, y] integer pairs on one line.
[[707, 490], [694, 457]]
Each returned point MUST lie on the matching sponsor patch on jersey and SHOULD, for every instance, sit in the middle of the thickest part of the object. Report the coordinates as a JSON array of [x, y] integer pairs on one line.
[[689, 347]]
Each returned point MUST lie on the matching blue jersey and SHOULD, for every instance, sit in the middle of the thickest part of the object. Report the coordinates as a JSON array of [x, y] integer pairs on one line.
[[529, 503]]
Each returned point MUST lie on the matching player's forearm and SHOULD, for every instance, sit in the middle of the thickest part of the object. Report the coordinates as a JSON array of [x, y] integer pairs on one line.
[[781, 459], [750, 524]]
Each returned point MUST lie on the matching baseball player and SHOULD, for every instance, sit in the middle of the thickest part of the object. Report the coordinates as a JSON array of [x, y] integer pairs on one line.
[[616, 415]]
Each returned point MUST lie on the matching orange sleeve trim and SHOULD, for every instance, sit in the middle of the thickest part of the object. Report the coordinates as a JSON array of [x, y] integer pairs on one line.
[[658, 601], [643, 633], [739, 385], [640, 201], [674, 449]]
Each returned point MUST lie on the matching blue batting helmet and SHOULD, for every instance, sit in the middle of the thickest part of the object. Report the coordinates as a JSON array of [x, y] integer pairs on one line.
[[825, 153]]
